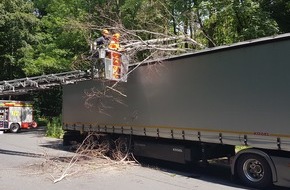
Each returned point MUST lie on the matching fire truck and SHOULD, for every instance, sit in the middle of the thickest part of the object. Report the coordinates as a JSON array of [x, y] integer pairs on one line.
[[16, 115]]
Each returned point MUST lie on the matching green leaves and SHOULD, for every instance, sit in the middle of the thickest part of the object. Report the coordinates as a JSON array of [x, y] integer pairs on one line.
[[17, 24], [59, 37], [229, 21], [54, 128], [42, 39], [279, 10], [44, 36]]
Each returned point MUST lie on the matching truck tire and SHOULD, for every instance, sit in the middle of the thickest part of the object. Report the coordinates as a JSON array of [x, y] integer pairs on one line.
[[72, 138], [14, 128], [122, 147], [254, 171]]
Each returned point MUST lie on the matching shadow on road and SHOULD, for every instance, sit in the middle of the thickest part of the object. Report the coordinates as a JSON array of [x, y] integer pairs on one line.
[[18, 153], [219, 174], [37, 131], [213, 173]]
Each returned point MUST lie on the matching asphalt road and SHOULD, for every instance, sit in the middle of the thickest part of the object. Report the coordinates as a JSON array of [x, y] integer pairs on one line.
[[31, 161]]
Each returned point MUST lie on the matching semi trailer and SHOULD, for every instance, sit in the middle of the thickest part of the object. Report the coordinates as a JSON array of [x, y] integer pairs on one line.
[[197, 106]]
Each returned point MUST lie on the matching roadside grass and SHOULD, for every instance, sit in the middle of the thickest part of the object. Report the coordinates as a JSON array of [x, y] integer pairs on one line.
[[54, 128], [41, 121]]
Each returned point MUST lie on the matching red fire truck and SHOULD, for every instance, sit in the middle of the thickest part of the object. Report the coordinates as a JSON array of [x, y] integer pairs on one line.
[[16, 115]]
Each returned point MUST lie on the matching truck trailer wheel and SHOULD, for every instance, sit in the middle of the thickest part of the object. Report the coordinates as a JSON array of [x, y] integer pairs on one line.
[[253, 170], [122, 146], [14, 128], [72, 138]]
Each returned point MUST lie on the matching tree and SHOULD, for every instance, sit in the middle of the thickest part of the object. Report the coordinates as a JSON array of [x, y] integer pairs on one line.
[[229, 21], [279, 10], [48, 103], [17, 29], [60, 39], [51, 36]]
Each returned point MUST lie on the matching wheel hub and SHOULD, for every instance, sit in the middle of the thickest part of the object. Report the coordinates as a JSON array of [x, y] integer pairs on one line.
[[253, 170]]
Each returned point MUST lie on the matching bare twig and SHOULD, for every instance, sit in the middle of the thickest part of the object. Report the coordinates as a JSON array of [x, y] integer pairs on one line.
[[116, 91], [71, 163]]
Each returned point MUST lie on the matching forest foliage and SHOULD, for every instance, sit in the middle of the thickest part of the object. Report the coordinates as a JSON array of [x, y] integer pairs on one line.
[[48, 36]]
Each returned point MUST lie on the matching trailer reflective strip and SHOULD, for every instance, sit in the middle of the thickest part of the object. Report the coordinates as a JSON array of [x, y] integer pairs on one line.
[[181, 128]]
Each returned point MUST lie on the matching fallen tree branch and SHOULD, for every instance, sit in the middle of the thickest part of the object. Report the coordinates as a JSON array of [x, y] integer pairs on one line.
[[147, 58], [116, 91], [160, 40], [71, 164]]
